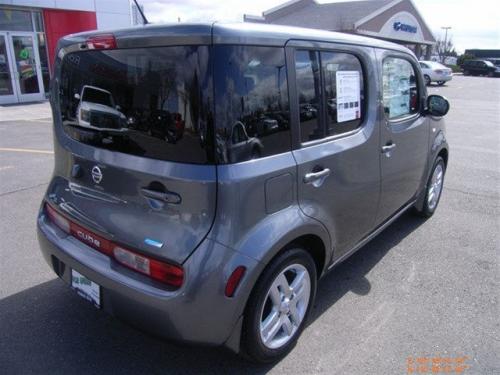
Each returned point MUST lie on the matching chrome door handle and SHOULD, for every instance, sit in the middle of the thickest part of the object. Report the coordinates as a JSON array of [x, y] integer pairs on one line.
[[388, 148], [317, 177]]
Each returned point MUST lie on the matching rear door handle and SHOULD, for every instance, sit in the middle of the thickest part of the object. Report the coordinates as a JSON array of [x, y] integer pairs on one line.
[[388, 148], [316, 178], [167, 197]]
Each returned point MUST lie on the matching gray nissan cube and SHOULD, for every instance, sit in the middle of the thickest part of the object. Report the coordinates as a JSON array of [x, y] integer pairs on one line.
[[208, 175]]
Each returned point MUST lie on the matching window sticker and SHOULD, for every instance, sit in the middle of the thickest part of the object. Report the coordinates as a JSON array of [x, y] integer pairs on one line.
[[348, 95]]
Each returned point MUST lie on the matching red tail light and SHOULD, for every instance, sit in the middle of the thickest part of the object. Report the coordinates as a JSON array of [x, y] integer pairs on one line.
[[234, 280], [58, 219], [103, 41], [161, 271]]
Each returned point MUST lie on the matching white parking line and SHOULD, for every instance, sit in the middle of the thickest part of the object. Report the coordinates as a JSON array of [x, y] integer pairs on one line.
[[39, 120], [29, 150], [6, 167]]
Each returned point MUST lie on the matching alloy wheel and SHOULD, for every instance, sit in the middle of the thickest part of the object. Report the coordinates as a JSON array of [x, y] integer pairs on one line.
[[435, 187], [285, 306]]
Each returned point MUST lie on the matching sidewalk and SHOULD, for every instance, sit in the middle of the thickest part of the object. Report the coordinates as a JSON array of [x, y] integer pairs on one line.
[[28, 111]]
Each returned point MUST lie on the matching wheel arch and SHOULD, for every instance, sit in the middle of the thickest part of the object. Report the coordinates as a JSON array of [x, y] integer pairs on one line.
[[313, 237], [444, 154]]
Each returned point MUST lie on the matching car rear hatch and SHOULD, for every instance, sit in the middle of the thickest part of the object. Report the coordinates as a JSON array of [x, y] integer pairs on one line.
[[134, 157]]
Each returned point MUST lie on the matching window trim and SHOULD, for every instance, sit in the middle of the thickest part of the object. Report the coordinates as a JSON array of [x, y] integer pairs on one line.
[[322, 118], [420, 92]]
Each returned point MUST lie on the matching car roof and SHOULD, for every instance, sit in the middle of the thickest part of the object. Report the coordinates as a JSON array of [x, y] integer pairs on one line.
[[226, 33]]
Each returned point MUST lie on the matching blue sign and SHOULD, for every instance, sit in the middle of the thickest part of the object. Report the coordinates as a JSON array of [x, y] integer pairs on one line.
[[398, 26]]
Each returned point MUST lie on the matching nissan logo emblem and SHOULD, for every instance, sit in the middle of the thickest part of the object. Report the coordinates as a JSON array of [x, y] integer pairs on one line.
[[96, 174]]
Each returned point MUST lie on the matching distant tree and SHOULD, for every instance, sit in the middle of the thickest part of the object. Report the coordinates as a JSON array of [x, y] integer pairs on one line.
[[445, 49], [463, 58]]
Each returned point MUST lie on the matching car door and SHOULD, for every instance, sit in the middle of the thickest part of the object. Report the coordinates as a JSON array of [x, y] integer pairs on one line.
[[404, 134], [336, 144], [426, 69]]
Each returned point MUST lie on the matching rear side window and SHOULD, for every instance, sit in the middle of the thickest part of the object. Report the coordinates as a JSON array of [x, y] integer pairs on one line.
[[330, 90], [400, 90], [344, 94], [151, 102], [251, 98]]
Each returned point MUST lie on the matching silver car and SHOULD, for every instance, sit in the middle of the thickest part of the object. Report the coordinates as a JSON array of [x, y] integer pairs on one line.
[[435, 72], [220, 237]]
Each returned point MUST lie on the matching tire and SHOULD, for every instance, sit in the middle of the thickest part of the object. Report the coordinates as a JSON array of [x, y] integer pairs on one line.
[[427, 80], [440, 83], [289, 313], [432, 201], [490, 74]]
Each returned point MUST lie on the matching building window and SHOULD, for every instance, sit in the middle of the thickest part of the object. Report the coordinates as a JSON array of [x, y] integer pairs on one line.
[[15, 20], [44, 60], [400, 90], [38, 21]]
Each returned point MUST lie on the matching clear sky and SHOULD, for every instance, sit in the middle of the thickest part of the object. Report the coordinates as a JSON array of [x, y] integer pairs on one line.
[[475, 23]]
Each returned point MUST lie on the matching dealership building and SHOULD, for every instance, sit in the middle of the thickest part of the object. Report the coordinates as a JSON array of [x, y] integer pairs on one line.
[[397, 21], [29, 31]]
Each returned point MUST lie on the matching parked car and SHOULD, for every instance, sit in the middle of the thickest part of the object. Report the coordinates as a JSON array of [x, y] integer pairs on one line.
[[495, 62], [480, 68], [97, 110], [435, 72], [192, 245], [241, 147]]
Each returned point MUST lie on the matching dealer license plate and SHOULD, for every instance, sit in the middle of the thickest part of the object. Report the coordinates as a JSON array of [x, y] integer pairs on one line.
[[86, 288]]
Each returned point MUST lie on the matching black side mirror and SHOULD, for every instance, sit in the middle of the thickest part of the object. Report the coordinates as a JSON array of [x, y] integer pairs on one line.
[[437, 105]]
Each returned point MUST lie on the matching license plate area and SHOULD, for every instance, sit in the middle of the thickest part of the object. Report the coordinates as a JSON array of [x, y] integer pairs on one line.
[[86, 288]]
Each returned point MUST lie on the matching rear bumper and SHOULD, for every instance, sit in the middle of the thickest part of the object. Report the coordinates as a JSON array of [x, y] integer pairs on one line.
[[436, 78], [198, 312]]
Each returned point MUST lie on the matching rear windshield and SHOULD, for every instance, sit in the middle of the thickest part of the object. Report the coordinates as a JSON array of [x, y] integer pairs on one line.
[[151, 102]]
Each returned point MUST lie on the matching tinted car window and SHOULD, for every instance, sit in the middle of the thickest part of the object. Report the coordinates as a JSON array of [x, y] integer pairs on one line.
[[308, 78], [338, 85], [400, 91], [251, 98], [150, 102], [344, 94]]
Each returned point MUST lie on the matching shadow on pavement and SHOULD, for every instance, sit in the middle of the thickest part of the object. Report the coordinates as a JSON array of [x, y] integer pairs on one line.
[[49, 329]]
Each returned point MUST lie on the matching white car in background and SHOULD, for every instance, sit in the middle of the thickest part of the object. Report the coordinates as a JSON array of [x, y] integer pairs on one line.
[[97, 110], [435, 72]]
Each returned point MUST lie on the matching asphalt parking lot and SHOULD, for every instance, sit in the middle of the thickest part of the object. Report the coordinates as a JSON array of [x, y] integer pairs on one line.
[[422, 289]]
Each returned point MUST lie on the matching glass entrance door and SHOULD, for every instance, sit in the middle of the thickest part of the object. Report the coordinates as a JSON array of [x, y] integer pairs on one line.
[[26, 67], [7, 93]]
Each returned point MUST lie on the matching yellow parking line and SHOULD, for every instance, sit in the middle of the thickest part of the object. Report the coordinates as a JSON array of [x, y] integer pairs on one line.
[[30, 150]]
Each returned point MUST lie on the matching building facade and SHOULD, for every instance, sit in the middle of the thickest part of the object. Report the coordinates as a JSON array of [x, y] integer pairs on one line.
[[29, 31], [397, 21]]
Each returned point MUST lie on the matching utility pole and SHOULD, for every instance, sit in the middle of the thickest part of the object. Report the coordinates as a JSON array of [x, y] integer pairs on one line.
[[446, 28]]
